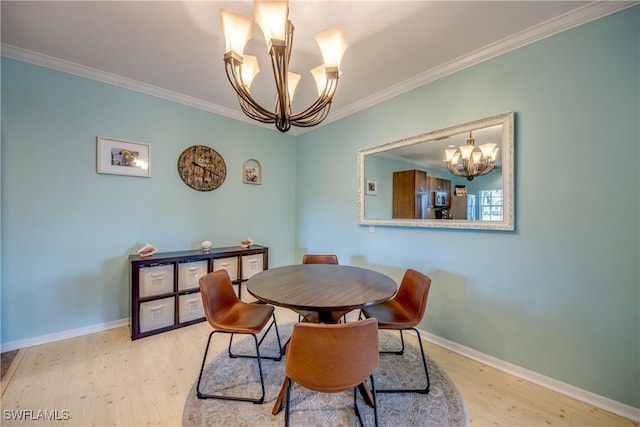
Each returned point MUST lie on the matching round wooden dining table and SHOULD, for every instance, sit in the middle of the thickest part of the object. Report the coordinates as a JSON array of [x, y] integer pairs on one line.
[[321, 293]]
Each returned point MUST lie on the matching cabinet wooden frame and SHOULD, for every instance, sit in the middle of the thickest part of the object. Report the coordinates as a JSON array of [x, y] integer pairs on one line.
[[136, 263]]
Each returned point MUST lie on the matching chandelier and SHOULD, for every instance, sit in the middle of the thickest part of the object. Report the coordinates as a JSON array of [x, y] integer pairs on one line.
[[469, 163], [273, 19]]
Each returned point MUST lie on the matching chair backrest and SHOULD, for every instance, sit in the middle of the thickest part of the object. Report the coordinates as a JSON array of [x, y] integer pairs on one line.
[[218, 296], [412, 294], [332, 358], [320, 259]]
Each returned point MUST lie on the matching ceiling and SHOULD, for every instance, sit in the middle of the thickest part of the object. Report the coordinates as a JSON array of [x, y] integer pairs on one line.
[[174, 49], [428, 152]]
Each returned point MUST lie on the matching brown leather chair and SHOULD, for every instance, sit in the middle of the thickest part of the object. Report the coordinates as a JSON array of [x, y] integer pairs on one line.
[[319, 259], [313, 362], [228, 315], [404, 311]]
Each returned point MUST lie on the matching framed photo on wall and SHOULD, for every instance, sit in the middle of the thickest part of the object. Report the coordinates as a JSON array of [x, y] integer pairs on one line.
[[120, 157], [372, 187], [252, 172]]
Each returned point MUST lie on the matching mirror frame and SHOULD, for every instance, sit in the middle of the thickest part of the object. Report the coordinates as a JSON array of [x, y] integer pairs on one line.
[[507, 223]]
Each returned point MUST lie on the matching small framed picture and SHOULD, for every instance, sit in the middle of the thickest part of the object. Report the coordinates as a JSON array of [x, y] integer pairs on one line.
[[120, 157], [372, 187], [252, 172]]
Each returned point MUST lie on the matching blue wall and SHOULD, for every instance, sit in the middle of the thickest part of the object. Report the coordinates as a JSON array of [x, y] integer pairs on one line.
[[560, 295], [67, 231], [561, 299]]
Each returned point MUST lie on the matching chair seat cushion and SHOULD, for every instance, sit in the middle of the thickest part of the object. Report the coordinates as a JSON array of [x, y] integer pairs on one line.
[[246, 318], [391, 315]]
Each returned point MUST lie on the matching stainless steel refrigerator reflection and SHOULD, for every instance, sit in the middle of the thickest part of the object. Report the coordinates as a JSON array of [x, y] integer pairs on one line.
[[463, 207]]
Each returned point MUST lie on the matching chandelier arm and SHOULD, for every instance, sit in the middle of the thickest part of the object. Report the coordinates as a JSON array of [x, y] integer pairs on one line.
[[470, 167], [280, 68], [317, 109], [247, 103], [280, 54], [252, 113], [289, 41], [454, 170], [320, 105], [313, 121], [309, 115], [488, 168]]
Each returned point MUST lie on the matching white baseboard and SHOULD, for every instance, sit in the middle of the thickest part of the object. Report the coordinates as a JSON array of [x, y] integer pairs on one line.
[[59, 336], [565, 389]]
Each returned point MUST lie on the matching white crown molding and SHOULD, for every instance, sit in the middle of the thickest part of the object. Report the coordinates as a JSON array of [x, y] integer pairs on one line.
[[560, 387], [583, 15], [580, 16], [113, 79]]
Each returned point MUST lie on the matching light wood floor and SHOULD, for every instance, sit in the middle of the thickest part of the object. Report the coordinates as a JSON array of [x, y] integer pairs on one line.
[[106, 379]]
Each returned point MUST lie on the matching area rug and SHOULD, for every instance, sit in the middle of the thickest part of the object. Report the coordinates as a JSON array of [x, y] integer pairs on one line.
[[442, 406]]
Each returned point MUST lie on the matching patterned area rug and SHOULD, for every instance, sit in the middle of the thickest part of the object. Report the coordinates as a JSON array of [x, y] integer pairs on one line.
[[442, 406]]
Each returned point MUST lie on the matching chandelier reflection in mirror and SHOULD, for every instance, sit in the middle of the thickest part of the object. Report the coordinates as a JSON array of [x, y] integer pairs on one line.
[[273, 19], [467, 162]]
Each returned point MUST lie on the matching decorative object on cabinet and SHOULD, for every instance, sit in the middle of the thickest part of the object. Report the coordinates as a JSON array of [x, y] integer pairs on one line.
[[202, 168], [165, 293], [120, 157], [206, 245], [147, 250], [273, 19], [474, 163], [372, 187], [461, 190], [246, 242], [252, 172]]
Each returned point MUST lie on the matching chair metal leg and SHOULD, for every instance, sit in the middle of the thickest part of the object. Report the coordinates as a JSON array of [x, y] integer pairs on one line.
[[286, 411], [398, 352], [204, 359], [375, 403], [201, 395], [424, 364], [355, 406], [277, 358], [239, 283]]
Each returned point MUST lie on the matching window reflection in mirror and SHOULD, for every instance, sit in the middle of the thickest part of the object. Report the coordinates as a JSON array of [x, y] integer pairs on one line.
[[415, 188]]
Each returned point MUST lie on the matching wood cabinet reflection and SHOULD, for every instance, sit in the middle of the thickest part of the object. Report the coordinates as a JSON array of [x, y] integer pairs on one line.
[[438, 185], [413, 193], [409, 187]]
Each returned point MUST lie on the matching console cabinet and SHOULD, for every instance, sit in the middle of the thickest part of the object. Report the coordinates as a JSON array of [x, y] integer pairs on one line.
[[165, 293]]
